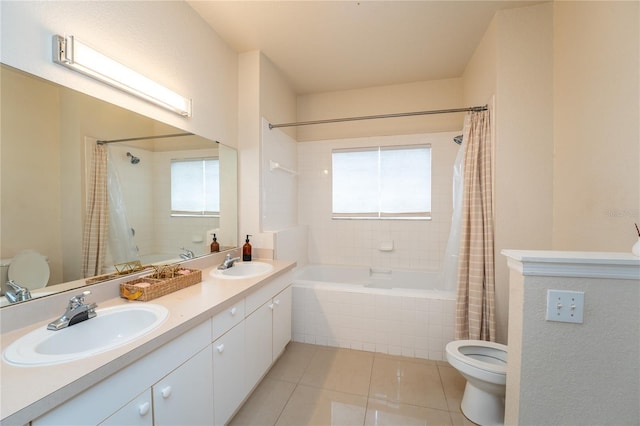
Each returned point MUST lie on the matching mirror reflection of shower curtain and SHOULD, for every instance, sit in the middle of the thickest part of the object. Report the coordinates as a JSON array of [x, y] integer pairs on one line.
[[96, 221], [449, 273], [122, 245]]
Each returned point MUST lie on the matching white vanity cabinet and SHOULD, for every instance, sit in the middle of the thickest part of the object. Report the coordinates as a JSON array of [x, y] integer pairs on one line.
[[281, 321], [138, 412], [184, 396], [228, 350], [268, 326], [112, 396], [229, 388], [199, 378]]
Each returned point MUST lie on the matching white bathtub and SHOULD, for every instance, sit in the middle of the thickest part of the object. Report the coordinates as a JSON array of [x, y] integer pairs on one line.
[[399, 312], [159, 258]]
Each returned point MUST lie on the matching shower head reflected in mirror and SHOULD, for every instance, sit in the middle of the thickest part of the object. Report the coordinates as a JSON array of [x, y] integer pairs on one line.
[[134, 159], [458, 139]]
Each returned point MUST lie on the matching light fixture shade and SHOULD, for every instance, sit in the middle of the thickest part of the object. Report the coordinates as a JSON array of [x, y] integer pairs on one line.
[[72, 53]]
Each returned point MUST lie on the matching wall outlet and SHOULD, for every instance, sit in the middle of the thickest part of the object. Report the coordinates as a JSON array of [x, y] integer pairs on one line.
[[565, 306]]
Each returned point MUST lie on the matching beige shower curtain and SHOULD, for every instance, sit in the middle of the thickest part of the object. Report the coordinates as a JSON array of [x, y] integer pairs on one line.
[[96, 223], [475, 309]]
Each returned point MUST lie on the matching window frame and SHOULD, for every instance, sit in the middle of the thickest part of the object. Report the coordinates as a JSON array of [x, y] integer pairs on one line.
[[381, 215], [189, 213]]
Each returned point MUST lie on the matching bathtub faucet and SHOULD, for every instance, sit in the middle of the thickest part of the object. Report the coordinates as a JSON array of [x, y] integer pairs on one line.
[[188, 254], [19, 293], [228, 262]]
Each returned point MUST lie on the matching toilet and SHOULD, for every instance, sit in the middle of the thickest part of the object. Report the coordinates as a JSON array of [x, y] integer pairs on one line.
[[28, 269], [484, 366]]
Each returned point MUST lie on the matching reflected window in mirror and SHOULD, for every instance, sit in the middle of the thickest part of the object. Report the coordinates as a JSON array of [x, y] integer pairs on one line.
[[195, 187]]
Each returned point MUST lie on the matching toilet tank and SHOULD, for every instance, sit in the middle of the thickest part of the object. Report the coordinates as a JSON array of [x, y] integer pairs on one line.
[[4, 275]]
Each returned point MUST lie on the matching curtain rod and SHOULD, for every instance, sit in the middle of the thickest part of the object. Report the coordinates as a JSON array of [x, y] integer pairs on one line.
[[144, 138], [372, 117]]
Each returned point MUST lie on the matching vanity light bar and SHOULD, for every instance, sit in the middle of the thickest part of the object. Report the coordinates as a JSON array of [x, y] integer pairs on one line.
[[71, 53]]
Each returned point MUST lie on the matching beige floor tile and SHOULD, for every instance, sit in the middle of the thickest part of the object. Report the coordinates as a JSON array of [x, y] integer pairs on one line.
[[404, 358], [265, 404], [453, 384], [407, 382], [340, 370], [388, 413], [293, 362], [459, 419], [313, 406]]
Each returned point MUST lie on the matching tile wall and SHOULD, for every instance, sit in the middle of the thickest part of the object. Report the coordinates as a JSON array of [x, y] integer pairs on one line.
[[398, 325], [417, 244]]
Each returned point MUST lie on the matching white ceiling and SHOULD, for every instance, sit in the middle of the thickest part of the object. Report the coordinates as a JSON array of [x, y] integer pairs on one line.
[[324, 46]]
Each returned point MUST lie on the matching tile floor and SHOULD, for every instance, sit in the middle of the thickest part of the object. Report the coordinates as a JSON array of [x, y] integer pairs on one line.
[[318, 385]]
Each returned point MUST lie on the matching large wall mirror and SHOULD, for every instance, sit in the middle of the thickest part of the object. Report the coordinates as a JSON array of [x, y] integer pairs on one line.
[[167, 196]]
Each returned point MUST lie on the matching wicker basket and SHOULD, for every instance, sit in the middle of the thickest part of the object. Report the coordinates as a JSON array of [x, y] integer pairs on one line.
[[164, 281]]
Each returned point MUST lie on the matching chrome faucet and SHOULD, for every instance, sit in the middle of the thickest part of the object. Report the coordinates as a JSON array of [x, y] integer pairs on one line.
[[228, 262], [77, 311], [19, 294], [188, 254]]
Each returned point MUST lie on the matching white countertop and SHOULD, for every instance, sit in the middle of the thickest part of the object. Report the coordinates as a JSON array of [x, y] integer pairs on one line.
[[30, 391]]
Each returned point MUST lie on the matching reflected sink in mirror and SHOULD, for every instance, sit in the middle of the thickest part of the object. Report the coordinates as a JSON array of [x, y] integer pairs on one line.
[[112, 327], [242, 270]]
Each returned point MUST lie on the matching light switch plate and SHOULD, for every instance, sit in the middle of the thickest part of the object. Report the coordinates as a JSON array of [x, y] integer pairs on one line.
[[565, 306]]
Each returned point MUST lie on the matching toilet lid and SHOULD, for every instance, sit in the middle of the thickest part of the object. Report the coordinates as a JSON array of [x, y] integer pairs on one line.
[[29, 269]]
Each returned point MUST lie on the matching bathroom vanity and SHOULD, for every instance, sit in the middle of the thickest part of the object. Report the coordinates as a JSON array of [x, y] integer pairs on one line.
[[220, 338]]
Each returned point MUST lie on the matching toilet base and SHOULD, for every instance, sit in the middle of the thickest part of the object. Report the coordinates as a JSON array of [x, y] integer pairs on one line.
[[482, 407]]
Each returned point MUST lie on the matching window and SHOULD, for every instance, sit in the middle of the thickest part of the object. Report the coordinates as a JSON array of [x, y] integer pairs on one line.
[[382, 182], [195, 187]]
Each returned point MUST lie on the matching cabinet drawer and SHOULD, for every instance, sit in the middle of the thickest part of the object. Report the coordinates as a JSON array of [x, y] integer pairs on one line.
[[265, 293], [227, 319]]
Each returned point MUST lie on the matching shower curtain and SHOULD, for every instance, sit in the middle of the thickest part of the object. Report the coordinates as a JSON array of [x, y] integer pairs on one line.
[[122, 246], [96, 224], [449, 273], [475, 308]]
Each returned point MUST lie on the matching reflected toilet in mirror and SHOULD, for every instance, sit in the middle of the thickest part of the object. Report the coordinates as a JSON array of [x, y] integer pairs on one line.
[[28, 269]]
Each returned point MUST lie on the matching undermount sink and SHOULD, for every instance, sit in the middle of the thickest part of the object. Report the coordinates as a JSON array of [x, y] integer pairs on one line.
[[242, 270], [112, 327]]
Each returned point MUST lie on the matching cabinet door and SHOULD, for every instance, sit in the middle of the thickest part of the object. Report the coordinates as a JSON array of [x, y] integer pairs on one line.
[[138, 412], [184, 396], [281, 321], [229, 387], [258, 344]]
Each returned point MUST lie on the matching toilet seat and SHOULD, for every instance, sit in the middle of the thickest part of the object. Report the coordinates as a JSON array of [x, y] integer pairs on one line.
[[488, 356], [29, 269]]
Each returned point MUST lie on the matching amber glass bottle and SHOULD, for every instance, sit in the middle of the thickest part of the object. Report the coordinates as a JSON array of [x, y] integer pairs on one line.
[[246, 250], [215, 247]]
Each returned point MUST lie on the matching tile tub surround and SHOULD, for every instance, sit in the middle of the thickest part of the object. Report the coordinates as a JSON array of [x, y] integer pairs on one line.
[[413, 326], [313, 384], [417, 244], [50, 386]]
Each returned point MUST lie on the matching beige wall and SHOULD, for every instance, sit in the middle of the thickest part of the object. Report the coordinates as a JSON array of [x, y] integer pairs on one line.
[[596, 132], [574, 374], [190, 59], [30, 169], [524, 139], [168, 42], [514, 62], [263, 93], [419, 96]]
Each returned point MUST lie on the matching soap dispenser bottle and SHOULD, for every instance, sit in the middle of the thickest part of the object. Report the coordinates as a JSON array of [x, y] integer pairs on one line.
[[215, 246], [246, 250]]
